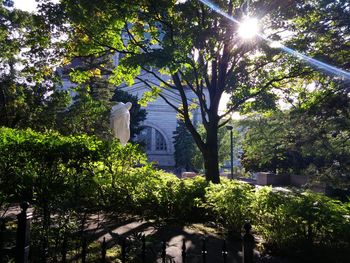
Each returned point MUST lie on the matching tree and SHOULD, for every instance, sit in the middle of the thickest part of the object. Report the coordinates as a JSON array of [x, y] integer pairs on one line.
[[325, 24], [187, 154], [94, 95], [224, 142], [89, 112], [29, 95], [200, 51], [184, 147], [312, 137], [272, 143], [321, 30], [311, 140]]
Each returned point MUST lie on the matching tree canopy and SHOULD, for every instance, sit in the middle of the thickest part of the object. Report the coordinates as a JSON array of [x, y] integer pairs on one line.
[[28, 83], [312, 137], [190, 48], [199, 51]]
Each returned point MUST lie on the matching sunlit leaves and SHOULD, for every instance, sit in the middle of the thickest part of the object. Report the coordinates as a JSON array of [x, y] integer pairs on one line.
[[124, 74], [149, 96], [311, 140], [202, 48], [81, 77]]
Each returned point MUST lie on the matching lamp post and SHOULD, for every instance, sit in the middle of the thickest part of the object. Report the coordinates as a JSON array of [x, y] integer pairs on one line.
[[230, 128]]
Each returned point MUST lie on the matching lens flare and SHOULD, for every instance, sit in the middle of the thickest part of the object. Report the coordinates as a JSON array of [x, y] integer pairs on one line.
[[248, 28], [275, 44], [314, 62]]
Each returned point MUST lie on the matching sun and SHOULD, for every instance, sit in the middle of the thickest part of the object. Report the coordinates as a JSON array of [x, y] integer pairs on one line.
[[248, 28]]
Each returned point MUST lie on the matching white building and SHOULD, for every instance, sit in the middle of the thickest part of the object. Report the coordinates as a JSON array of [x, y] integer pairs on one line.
[[161, 120], [160, 124]]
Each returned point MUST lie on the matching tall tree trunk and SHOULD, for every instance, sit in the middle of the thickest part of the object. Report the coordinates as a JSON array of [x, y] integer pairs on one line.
[[211, 166], [211, 156]]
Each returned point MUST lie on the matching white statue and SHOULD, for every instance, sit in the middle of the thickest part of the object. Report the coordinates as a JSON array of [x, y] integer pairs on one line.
[[120, 121]]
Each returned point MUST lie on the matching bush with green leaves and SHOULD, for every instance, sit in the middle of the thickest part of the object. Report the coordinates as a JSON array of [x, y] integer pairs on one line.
[[61, 176], [156, 194], [288, 219], [45, 167], [67, 177], [230, 201], [59, 173]]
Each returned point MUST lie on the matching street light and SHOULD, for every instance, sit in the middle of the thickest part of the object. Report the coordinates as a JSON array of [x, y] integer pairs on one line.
[[230, 128]]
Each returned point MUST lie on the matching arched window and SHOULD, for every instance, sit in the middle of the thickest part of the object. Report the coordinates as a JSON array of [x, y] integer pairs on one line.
[[153, 140], [160, 141], [145, 137]]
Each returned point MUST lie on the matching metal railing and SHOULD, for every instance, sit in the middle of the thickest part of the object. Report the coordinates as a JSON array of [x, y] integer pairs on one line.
[[21, 250]]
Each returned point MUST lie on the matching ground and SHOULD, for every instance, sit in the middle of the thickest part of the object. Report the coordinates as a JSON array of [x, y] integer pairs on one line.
[[114, 228]]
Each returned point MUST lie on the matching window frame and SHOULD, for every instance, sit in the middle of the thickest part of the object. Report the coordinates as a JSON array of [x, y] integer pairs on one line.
[[155, 136]]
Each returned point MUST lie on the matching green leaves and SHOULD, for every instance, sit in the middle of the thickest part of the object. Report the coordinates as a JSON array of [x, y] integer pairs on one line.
[[290, 219], [54, 162], [286, 219], [184, 147], [65, 177], [311, 140], [231, 201], [149, 96], [81, 77], [124, 73], [28, 80], [201, 51]]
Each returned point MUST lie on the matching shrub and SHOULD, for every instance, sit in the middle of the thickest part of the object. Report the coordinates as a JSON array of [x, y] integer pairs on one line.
[[190, 197], [63, 177], [157, 194], [230, 201], [273, 219], [291, 219], [70, 176], [47, 168]]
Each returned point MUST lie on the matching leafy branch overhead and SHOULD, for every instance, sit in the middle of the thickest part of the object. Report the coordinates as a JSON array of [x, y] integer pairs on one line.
[[190, 49]]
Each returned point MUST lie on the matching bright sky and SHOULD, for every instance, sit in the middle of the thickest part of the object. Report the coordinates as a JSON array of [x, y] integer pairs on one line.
[[26, 5], [30, 6]]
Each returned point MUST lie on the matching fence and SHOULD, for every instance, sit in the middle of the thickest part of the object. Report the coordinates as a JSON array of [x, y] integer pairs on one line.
[[21, 250]]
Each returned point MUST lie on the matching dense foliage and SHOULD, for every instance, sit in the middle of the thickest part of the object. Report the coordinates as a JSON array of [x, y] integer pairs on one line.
[[32, 69], [199, 51], [293, 219], [311, 139], [66, 178], [29, 85], [63, 177]]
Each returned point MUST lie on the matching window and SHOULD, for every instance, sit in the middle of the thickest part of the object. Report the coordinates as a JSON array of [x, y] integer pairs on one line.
[[146, 137], [152, 139], [160, 142]]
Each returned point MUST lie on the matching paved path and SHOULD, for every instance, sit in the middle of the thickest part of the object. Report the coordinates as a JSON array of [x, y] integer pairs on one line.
[[173, 234], [113, 229]]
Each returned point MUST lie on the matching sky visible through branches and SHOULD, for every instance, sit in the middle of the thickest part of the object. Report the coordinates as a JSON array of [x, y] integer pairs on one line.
[[30, 6], [314, 62]]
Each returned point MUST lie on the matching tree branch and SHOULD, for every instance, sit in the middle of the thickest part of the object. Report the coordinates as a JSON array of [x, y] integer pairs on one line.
[[160, 95], [196, 136]]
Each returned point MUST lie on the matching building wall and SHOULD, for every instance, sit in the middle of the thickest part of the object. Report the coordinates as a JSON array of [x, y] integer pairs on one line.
[[162, 117]]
